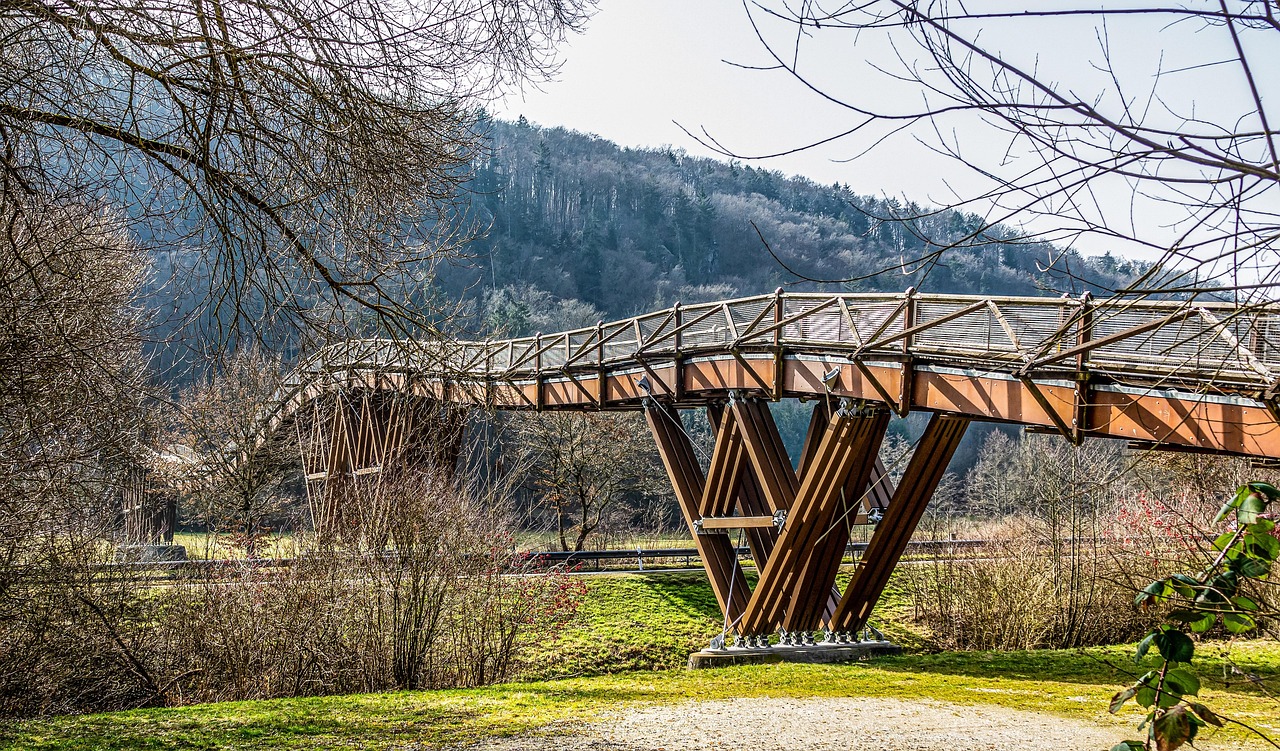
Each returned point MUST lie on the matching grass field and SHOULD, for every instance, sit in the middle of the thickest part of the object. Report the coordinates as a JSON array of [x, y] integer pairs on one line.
[[645, 627]]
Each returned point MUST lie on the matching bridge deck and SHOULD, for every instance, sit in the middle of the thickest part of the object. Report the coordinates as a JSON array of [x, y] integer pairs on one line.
[[1197, 375]]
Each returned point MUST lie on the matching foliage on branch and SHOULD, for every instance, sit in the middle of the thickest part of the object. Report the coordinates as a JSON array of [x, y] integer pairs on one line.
[[1199, 602]]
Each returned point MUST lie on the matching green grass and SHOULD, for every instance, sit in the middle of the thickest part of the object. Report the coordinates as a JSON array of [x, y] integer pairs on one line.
[[634, 622], [205, 546], [1067, 683], [647, 626]]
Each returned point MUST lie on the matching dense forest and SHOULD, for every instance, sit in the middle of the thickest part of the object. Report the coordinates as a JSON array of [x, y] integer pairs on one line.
[[578, 228], [571, 228]]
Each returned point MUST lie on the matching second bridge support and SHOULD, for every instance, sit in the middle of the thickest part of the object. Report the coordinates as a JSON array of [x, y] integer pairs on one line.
[[797, 521]]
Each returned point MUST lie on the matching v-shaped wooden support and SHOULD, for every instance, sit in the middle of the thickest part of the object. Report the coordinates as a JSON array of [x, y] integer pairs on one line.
[[750, 484], [919, 481], [351, 437]]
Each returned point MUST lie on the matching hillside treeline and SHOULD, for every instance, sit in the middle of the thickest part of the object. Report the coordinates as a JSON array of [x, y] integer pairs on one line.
[[574, 217]]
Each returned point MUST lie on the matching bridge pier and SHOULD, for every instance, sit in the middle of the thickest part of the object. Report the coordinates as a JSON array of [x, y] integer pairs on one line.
[[797, 521], [353, 439]]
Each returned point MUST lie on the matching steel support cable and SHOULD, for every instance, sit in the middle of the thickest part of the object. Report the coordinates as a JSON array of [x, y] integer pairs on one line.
[[867, 492], [737, 564], [680, 426], [899, 460]]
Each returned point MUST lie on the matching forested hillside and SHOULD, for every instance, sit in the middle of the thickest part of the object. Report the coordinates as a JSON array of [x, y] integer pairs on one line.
[[580, 228], [571, 228]]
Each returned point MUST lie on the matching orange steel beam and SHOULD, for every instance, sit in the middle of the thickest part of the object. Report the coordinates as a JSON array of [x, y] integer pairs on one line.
[[923, 473], [718, 554], [1218, 421]]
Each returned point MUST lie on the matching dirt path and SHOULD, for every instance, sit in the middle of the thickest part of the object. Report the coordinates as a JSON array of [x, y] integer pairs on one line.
[[823, 725]]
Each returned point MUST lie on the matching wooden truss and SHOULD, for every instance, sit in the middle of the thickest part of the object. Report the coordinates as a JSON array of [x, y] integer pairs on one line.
[[797, 521], [352, 438]]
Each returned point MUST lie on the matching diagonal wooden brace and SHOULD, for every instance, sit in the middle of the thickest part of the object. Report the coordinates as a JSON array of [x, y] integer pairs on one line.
[[811, 589], [749, 497], [718, 554], [923, 473], [845, 441], [766, 452]]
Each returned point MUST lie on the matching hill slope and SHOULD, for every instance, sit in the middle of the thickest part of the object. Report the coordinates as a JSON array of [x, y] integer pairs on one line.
[[580, 228]]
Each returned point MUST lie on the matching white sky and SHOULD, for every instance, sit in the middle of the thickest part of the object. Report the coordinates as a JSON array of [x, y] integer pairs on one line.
[[644, 65]]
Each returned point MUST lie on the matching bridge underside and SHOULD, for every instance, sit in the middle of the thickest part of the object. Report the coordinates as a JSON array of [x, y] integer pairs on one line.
[[1172, 417], [796, 522]]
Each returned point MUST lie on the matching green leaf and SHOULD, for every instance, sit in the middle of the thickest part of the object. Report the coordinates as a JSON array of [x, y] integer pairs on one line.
[[1174, 645], [1262, 546], [1204, 624], [1121, 697], [1146, 693], [1243, 492], [1184, 585], [1206, 714], [1267, 489], [1223, 540], [1252, 568], [1244, 603], [1183, 681], [1238, 623], [1154, 592], [1128, 746], [1223, 513], [1225, 584], [1248, 510], [1144, 646], [1263, 526]]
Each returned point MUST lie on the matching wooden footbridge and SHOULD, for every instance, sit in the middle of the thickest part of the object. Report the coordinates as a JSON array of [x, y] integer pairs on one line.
[[1174, 375]]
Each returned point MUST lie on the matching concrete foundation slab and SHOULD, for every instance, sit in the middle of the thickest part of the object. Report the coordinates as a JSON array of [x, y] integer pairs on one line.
[[815, 653]]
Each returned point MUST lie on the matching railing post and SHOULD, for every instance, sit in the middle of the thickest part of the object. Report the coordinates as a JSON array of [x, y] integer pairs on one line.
[[779, 366], [488, 369], [677, 360], [537, 371], [602, 382], [1080, 416], [909, 319]]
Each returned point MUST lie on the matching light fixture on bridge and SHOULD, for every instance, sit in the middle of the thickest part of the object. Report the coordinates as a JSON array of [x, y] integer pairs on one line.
[[830, 378], [644, 384]]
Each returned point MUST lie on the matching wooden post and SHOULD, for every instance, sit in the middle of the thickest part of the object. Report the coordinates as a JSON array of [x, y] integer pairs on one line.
[[718, 554], [923, 473]]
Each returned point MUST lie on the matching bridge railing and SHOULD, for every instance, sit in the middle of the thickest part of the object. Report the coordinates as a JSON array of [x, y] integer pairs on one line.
[[1206, 342]]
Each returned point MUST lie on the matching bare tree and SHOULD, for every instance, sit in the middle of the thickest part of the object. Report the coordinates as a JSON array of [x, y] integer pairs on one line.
[[70, 428], [70, 417], [585, 466], [1094, 125], [233, 478], [308, 152]]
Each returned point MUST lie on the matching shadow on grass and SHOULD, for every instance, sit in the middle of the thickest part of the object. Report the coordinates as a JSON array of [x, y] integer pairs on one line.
[[1093, 666]]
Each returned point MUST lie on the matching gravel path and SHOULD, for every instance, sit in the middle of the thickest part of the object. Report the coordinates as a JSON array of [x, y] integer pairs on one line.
[[822, 725]]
